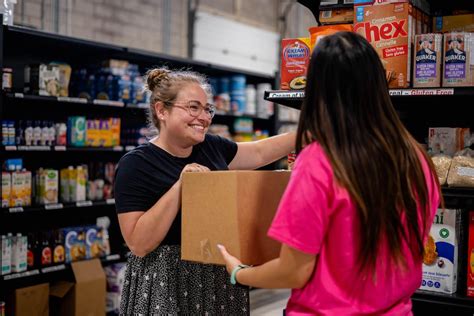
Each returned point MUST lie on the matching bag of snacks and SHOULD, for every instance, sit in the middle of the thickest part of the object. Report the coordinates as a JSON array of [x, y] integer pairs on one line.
[[442, 163], [461, 173]]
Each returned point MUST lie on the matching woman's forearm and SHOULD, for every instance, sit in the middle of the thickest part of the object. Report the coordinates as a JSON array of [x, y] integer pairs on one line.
[[276, 147], [152, 227]]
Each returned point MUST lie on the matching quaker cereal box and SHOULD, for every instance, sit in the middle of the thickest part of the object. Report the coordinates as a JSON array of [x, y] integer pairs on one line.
[[458, 60], [440, 259], [427, 60], [389, 28], [294, 63], [470, 257], [94, 247], [75, 244]]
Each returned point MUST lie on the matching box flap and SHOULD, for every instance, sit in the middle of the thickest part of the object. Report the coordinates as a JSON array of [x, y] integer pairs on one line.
[[60, 289], [32, 300], [87, 271]]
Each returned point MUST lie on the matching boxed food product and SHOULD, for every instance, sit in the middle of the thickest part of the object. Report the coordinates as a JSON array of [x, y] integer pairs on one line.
[[93, 133], [17, 189], [458, 63], [214, 212], [48, 186], [440, 259], [470, 257], [6, 253], [319, 32], [447, 140], [64, 77], [74, 244], [94, 248], [459, 23], [427, 60], [77, 184], [295, 53], [389, 28], [76, 130], [6, 188], [27, 186], [19, 250], [42, 79], [64, 182], [336, 16]]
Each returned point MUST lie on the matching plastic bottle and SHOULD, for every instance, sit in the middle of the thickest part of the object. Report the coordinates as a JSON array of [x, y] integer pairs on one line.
[[44, 140], [29, 134], [52, 134], [37, 134], [46, 252]]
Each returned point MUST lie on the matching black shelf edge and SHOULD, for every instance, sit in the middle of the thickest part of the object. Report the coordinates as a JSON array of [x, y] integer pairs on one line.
[[455, 298], [56, 269], [57, 206], [21, 148], [293, 98]]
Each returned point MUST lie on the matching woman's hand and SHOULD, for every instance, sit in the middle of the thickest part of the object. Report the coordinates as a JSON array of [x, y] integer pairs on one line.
[[193, 167], [230, 261]]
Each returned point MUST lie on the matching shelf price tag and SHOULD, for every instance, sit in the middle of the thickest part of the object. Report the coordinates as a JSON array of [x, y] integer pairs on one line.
[[129, 148], [109, 103], [56, 206], [84, 203], [19, 95], [17, 209], [117, 148], [110, 201], [53, 269], [21, 275], [60, 148], [290, 95], [10, 148], [72, 100], [112, 257]]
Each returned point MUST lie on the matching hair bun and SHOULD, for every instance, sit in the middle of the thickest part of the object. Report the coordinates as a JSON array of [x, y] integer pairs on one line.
[[156, 76]]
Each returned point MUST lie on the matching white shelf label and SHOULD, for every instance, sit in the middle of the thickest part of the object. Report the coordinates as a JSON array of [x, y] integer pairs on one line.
[[53, 269], [118, 148], [34, 148], [20, 275], [142, 105], [60, 148], [109, 103], [10, 148], [72, 100], [414, 92], [17, 209], [129, 148], [56, 206], [289, 95], [19, 95], [112, 257], [110, 201], [84, 203]]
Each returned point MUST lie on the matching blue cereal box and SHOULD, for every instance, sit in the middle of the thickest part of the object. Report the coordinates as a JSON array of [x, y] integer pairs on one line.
[[94, 248], [74, 244]]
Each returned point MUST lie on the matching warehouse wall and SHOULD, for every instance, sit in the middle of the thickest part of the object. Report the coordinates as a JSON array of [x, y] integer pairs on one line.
[[155, 25]]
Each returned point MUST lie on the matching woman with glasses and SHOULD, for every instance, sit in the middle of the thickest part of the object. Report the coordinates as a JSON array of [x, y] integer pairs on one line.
[[148, 195]]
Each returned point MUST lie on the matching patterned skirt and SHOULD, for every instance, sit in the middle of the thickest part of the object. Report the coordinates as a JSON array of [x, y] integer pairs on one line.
[[161, 284]]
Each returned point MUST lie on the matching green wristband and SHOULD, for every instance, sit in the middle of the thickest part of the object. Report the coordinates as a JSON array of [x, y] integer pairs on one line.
[[234, 272]]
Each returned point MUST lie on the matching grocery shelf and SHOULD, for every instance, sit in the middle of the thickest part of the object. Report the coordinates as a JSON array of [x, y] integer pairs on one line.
[[455, 299], [293, 98], [68, 148], [35, 275], [57, 206]]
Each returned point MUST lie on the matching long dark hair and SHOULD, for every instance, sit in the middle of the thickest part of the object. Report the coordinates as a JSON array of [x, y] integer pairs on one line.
[[348, 111]]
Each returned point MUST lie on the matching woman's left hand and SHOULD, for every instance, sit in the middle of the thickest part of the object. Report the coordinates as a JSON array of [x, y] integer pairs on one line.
[[230, 261]]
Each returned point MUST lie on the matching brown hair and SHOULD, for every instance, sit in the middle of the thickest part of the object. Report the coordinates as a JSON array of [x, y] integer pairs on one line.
[[348, 111], [164, 85]]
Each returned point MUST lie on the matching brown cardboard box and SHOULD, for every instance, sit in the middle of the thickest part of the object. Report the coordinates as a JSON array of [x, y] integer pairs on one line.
[[232, 208], [85, 296], [32, 300]]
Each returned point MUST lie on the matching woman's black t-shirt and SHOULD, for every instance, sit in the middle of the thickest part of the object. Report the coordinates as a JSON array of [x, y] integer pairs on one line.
[[146, 173]]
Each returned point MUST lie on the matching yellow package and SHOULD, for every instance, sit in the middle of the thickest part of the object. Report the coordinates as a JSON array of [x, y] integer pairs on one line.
[[93, 137], [27, 188], [115, 131], [16, 197]]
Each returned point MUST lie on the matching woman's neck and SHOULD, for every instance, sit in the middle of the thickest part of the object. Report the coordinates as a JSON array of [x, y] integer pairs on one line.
[[172, 148]]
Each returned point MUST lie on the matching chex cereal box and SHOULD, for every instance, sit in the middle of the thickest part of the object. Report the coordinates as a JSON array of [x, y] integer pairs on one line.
[[388, 26], [440, 259]]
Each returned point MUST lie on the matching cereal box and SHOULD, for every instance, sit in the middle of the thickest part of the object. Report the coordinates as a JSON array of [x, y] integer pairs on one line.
[[94, 248], [459, 23], [76, 131], [427, 60], [295, 55], [74, 244], [447, 140], [336, 16], [440, 259], [458, 62], [389, 28], [470, 256]]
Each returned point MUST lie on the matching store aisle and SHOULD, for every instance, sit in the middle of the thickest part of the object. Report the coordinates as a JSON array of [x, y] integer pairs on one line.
[[268, 302]]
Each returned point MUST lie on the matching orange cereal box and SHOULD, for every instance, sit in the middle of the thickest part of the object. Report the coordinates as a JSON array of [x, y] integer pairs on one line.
[[389, 27], [295, 53]]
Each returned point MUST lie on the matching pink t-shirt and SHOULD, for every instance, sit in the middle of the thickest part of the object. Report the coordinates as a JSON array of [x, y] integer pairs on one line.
[[317, 216]]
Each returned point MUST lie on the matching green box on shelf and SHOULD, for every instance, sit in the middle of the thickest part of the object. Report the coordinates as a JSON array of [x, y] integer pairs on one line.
[[77, 131]]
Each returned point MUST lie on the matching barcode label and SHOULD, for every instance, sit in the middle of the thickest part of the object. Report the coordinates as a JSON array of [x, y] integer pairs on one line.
[[56, 206], [18, 209], [53, 269], [84, 203], [110, 201]]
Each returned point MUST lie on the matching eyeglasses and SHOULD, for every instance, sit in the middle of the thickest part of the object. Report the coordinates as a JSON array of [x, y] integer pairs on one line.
[[195, 108]]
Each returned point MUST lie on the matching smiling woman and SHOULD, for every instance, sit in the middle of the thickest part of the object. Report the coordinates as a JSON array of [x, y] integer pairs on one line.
[[148, 195]]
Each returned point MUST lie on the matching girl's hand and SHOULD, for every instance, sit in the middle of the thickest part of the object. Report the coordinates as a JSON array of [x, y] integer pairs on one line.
[[230, 261]]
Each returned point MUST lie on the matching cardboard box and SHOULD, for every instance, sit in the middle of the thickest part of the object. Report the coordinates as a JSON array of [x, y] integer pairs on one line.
[[85, 296], [440, 260], [470, 257], [390, 28], [232, 208], [460, 23], [32, 300], [336, 16]]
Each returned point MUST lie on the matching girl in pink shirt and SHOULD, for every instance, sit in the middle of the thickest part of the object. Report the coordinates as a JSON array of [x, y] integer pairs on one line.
[[361, 198]]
